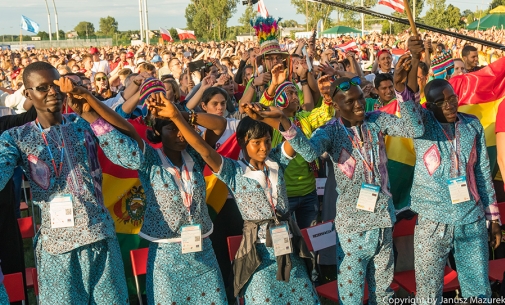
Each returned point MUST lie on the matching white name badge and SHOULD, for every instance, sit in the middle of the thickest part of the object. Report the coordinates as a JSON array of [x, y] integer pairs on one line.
[[322, 236], [458, 189], [320, 184], [281, 240], [368, 196], [61, 211], [191, 238]]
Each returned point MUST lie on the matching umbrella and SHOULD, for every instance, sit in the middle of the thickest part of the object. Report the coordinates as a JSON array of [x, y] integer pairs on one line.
[[340, 30], [495, 18]]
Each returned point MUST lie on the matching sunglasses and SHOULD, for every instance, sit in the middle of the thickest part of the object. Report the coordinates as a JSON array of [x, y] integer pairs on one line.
[[452, 101], [101, 79], [44, 88], [345, 86]]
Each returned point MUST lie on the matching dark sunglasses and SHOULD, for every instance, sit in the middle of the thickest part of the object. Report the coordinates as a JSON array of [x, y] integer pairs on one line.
[[452, 101], [345, 86], [44, 88], [101, 79]]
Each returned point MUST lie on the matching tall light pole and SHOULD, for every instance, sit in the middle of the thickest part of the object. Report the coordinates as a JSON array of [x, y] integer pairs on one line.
[[141, 21], [49, 22], [362, 21], [56, 20], [146, 22]]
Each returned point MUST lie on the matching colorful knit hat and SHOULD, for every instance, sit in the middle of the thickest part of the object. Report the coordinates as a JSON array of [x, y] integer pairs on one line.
[[150, 85], [280, 97], [443, 65], [267, 30]]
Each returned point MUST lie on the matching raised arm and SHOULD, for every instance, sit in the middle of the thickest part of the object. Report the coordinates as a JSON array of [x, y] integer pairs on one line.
[[206, 83], [162, 108], [91, 109], [272, 116]]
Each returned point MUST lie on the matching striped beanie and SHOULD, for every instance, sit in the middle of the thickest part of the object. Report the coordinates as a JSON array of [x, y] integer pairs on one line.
[[443, 65], [281, 98], [150, 85]]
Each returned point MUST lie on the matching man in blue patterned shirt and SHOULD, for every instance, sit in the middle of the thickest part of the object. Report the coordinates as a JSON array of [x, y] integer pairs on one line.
[[365, 212], [452, 192], [77, 251]]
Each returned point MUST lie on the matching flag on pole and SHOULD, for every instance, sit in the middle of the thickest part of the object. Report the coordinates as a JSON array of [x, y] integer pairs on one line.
[[185, 34], [165, 34], [397, 5], [262, 9], [29, 25]]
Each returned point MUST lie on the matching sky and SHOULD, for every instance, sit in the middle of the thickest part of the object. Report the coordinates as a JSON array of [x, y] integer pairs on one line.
[[162, 13]]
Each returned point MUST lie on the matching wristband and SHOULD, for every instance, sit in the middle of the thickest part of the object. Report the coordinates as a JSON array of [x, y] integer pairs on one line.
[[304, 82], [138, 84], [267, 96]]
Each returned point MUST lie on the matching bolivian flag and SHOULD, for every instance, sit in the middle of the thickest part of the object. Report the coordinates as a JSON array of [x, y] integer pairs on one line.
[[480, 93], [401, 162], [125, 199]]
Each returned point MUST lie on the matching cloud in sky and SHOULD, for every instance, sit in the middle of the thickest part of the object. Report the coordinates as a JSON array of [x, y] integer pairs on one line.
[[164, 13]]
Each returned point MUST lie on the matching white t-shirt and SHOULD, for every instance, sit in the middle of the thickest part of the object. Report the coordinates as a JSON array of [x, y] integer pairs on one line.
[[231, 128], [101, 66]]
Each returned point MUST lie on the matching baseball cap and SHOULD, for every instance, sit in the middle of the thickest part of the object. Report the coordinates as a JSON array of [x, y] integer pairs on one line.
[[130, 55], [156, 58], [93, 50]]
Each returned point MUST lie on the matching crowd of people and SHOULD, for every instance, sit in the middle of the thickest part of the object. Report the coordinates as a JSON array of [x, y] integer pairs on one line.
[[292, 107]]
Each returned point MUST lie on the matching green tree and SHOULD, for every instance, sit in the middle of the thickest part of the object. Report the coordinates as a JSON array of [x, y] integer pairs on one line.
[[245, 19], [209, 18], [43, 35], [453, 18], [173, 33], [85, 29], [314, 12], [289, 23], [496, 3], [108, 26], [435, 15], [440, 16]]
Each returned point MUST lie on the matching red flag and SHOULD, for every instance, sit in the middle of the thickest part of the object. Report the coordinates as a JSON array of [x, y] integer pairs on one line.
[[262, 10], [348, 46], [185, 34], [165, 34], [397, 5]]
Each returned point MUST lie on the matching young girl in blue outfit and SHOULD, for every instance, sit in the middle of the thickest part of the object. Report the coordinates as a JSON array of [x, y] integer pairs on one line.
[[181, 267], [267, 267]]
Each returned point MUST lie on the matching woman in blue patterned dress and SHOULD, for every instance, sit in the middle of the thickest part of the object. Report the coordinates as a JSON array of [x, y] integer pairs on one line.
[[181, 267], [257, 184]]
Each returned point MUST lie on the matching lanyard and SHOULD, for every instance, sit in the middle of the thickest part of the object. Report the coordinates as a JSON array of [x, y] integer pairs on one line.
[[183, 182], [268, 190], [369, 166], [62, 149], [453, 143]]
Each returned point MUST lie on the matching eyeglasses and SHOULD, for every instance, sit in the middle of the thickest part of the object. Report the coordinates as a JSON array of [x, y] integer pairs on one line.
[[45, 88], [452, 101], [99, 79], [345, 86]]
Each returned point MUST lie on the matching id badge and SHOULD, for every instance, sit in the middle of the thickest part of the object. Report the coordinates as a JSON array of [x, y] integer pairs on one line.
[[368, 196], [61, 211], [281, 240], [191, 238], [458, 189]]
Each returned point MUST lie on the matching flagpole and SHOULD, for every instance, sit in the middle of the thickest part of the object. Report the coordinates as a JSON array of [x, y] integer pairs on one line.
[[49, 22], [56, 20], [146, 22], [141, 21], [413, 27]]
